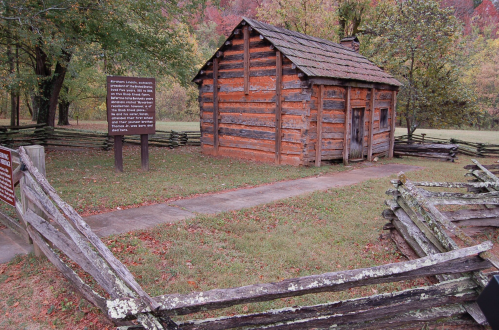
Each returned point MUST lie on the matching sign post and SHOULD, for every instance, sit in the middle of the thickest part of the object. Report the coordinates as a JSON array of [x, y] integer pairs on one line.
[[131, 110], [6, 181]]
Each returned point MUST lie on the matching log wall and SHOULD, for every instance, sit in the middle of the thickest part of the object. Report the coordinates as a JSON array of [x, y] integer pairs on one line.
[[333, 122], [246, 121], [249, 108], [381, 135], [333, 117]]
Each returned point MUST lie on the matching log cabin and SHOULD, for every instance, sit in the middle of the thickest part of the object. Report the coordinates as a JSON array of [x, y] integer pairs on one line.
[[275, 95]]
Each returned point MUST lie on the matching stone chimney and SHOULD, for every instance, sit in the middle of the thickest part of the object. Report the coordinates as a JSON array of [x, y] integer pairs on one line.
[[351, 42]]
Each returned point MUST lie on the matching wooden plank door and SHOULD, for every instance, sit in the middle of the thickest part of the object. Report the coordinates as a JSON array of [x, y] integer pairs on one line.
[[357, 134]]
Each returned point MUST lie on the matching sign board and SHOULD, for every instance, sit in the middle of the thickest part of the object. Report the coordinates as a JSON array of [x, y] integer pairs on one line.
[[131, 105], [6, 181]]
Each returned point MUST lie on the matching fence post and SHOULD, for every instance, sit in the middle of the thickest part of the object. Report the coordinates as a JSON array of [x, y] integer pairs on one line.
[[37, 155]]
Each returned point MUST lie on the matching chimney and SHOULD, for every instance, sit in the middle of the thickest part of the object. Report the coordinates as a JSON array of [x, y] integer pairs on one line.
[[351, 42]]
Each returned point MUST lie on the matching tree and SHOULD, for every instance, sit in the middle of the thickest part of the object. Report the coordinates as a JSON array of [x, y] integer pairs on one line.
[[417, 41], [133, 36], [483, 75], [350, 15], [313, 17]]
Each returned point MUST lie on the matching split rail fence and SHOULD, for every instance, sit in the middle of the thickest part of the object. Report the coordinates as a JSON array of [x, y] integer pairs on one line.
[[422, 146], [61, 234], [71, 138], [426, 221]]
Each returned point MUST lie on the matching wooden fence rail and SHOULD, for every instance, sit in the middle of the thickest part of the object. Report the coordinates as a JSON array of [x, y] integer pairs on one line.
[[403, 144], [421, 229], [72, 138], [59, 230]]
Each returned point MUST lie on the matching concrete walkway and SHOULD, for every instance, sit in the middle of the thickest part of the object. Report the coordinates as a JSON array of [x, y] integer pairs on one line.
[[123, 221]]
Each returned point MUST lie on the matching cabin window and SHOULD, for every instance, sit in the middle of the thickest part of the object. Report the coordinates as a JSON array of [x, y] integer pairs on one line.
[[383, 121]]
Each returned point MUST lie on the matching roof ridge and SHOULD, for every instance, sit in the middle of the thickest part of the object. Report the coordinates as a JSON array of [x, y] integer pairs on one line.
[[303, 35], [321, 57]]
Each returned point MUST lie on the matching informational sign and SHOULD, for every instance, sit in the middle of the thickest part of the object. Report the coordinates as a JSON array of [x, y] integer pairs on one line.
[[131, 105], [6, 181]]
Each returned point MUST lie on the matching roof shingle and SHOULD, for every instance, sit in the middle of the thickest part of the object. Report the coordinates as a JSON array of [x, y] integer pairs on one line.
[[320, 58]]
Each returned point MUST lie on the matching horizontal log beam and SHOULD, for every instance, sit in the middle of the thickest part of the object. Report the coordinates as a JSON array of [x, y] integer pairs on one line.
[[457, 261], [471, 214], [360, 309]]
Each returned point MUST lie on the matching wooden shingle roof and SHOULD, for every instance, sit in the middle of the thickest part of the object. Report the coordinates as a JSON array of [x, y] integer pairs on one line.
[[320, 58]]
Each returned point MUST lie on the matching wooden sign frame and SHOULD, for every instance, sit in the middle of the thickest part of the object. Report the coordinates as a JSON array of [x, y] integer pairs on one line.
[[6, 180], [131, 110]]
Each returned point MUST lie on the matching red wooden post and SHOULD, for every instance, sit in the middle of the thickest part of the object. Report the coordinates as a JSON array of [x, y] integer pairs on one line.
[[216, 112], [318, 144], [278, 108], [118, 153], [144, 151], [393, 115], [348, 118], [246, 60], [371, 123]]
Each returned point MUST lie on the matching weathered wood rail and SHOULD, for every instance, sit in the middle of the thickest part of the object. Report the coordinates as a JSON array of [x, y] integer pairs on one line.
[[425, 221], [462, 147], [438, 151], [71, 138], [58, 230]]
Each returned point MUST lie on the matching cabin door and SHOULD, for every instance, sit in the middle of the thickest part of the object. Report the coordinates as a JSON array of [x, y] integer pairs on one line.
[[357, 137]]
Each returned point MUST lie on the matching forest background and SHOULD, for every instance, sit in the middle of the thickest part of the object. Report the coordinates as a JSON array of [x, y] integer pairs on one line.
[[56, 54]]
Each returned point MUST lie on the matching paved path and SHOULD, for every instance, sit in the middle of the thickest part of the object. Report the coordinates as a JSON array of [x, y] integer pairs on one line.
[[149, 216], [11, 244]]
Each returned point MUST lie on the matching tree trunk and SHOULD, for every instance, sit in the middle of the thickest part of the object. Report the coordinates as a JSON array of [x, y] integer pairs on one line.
[[50, 88], [28, 104], [63, 113], [58, 80], [44, 72], [13, 96], [35, 106]]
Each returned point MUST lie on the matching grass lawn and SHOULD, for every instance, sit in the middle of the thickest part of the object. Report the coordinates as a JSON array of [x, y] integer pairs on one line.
[[320, 232], [465, 135], [87, 180]]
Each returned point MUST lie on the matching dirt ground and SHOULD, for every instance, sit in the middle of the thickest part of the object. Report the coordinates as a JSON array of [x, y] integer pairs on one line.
[[35, 296]]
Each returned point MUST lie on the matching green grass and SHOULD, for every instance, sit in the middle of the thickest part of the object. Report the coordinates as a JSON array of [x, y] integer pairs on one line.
[[312, 234], [320, 232], [465, 135], [87, 180]]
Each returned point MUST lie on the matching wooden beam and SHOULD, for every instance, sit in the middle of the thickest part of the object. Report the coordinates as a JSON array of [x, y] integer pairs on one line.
[[371, 123], [352, 83], [318, 143], [120, 269], [353, 310], [278, 107], [118, 153], [246, 60], [392, 126], [348, 115], [73, 278], [216, 110], [144, 151], [457, 261]]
